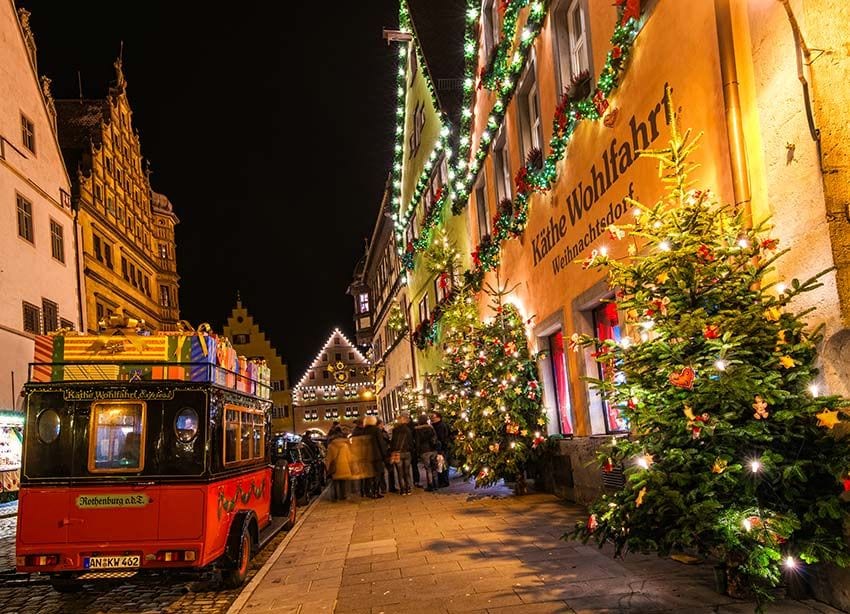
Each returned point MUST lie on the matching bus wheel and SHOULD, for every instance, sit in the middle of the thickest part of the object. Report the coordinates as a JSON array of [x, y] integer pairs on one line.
[[66, 585], [233, 578], [281, 493]]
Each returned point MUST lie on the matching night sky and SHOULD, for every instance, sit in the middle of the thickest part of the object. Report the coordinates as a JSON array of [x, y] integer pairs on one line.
[[222, 95]]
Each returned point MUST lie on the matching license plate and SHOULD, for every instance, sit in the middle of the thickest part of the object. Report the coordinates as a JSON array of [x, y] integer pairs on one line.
[[112, 562]]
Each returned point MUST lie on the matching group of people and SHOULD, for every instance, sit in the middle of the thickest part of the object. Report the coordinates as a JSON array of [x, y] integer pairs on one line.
[[379, 461]]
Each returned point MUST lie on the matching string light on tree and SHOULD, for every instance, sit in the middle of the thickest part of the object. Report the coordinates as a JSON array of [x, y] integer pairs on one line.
[[746, 459]]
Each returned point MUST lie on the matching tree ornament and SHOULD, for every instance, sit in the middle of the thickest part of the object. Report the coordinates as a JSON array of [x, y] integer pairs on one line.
[[773, 314], [787, 362], [760, 406], [828, 418], [712, 331], [719, 465], [683, 379], [640, 496]]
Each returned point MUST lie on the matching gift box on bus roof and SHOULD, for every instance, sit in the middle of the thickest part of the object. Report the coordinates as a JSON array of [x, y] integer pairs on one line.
[[227, 363], [194, 353], [114, 348]]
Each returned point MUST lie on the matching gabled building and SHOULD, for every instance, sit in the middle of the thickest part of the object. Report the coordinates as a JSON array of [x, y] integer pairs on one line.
[[251, 342], [128, 249], [379, 290], [337, 387], [420, 198], [39, 274]]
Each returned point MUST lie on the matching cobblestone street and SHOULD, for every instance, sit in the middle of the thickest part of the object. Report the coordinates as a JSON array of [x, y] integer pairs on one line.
[[151, 595], [461, 550]]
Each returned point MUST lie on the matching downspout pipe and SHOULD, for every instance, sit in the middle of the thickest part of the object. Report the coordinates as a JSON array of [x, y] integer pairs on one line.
[[732, 106]]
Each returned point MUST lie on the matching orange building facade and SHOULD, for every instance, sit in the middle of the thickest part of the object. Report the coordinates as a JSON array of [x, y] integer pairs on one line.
[[731, 68]]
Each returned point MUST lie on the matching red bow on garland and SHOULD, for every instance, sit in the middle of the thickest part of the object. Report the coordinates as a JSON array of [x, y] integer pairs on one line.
[[631, 9]]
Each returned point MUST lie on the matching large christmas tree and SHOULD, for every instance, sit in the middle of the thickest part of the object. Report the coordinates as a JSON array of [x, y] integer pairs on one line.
[[732, 453], [488, 390]]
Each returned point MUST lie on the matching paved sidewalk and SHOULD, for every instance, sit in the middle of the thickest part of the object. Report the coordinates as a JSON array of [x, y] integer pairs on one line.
[[461, 550]]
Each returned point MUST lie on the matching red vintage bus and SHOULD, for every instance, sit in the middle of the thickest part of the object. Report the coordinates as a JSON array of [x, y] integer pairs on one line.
[[121, 477]]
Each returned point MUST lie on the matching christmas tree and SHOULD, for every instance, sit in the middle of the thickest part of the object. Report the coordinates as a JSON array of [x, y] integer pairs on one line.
[[489, 390], [732, 453]]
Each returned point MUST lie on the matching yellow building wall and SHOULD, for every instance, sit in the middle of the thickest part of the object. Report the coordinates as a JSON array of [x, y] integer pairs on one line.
[[239, 323], [116, 206]]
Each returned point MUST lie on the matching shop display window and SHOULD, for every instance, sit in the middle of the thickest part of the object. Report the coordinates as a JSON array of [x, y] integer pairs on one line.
[[606, 324]]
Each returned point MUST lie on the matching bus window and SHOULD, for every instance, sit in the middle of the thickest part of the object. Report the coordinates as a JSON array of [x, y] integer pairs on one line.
[[244, 435], [116, 435], [231, 435], [259, 436], [245, 439]]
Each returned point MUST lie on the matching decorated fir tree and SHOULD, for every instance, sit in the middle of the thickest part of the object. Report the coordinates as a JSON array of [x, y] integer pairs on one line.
[[489, 390], [732, 453]]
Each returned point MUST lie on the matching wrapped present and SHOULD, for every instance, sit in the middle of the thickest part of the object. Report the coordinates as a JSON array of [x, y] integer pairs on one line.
[[169, 372], [202, 355], [243, 383], [227, 362], [253, 374], [91, 372], [263, 378], [43, 354], [179, 347], [114, 348]]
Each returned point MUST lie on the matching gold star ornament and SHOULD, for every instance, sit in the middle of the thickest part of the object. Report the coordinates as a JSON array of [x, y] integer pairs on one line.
[[828, 418]]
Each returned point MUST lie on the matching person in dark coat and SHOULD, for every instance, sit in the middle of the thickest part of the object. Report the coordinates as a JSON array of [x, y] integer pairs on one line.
[[426, 444], [386, 480], [402, 444], [379, 453], [414, 453], [444, 442]]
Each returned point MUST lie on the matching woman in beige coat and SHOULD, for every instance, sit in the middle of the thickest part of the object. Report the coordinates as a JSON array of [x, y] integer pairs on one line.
[[338, 464]]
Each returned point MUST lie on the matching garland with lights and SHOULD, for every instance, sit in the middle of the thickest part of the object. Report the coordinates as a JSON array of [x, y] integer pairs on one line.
[[403, 214], [433, 217], [489, 391], [502, 76], [733, 453], [535, 176]]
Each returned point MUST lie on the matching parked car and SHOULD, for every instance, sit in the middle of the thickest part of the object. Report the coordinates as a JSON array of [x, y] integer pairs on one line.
[[306, 465]]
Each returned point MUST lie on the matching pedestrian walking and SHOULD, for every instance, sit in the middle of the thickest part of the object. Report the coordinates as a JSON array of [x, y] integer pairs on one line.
[[387, 477], [444, 444], [426, 444], [338, 462], [402, 446], [378, 454], [363, 455]]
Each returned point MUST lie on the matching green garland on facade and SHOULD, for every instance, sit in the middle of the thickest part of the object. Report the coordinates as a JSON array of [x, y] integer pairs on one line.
[[432, 220], [567, 116], [402, 214], [503, 73]]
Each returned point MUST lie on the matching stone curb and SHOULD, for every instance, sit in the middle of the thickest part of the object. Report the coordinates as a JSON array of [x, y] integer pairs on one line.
[[255, 582]]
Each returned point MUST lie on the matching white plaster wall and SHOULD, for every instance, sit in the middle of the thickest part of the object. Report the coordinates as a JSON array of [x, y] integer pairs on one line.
[[28, 272]]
